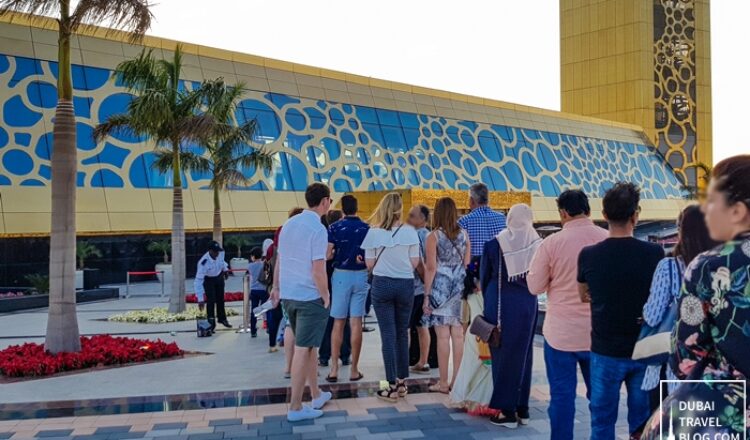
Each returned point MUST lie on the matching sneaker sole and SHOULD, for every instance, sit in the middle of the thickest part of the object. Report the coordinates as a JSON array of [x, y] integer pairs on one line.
[[523, 422], [506, 424], [302, 419]]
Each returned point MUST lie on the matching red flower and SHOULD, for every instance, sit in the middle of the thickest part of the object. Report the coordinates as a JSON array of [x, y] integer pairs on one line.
[[101, 350], [228, 297]]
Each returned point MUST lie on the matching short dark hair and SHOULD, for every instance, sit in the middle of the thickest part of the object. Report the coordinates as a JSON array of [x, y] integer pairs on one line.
[[425, 211], [296, 211], [621, 202], [574, 202], [333, 216], [480, 193], [256, 253], [730, 177], [316, 193], [349, 204]]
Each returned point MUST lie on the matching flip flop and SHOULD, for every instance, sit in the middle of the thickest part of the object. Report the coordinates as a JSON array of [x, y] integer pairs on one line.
[[332, 379], [359, 377]]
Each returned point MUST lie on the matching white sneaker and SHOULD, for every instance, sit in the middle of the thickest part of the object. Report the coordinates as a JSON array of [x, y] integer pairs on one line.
[[321, 400], [306, 413]]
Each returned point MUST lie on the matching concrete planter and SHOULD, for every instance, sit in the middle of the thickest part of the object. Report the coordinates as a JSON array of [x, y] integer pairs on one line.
[[167, 269], [41, 301], [79, 279]]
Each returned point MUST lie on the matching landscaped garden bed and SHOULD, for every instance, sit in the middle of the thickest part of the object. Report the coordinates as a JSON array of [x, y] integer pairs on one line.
[[228, 297], [160, 315], [31, 360], [28, 300]]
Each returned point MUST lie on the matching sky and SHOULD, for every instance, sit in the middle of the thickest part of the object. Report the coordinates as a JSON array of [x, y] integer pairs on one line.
[[502, 49]]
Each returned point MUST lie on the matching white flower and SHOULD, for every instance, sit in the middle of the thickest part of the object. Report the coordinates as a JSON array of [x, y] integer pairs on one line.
[[718, 304], [691, 310], [746, 247], [721, 280]]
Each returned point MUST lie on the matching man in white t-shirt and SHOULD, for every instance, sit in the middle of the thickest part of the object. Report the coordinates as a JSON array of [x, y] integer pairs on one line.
[[301, 283]]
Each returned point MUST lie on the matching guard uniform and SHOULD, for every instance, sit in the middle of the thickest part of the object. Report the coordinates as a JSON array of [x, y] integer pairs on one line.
[[209, 286]]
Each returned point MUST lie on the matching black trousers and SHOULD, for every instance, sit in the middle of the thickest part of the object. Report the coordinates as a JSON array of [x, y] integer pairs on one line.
[[257, 297], [214, 287], [274, 317]]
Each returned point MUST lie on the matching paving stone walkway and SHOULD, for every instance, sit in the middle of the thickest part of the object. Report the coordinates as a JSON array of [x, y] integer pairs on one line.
[[424, 416]]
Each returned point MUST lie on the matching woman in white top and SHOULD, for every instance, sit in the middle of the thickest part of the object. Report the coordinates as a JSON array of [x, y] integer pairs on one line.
[[392, 254]]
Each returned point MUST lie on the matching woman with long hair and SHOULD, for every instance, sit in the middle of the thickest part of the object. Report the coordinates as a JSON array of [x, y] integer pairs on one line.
[[711, 337], [447, 254], [692, 239], [505, 263], [391, 254]]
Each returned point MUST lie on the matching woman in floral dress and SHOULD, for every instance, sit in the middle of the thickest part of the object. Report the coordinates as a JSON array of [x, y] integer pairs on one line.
[[712, 337], [447, 253]]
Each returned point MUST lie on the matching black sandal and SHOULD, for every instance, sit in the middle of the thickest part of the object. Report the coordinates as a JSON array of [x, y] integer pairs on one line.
[[388, 394], [403, 390]]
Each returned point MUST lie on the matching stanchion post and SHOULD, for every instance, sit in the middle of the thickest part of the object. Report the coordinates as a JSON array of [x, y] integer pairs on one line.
[[127, 286], [163, 280], [246, 301]]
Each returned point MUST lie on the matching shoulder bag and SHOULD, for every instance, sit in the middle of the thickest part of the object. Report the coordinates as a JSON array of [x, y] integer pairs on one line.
[[655, 343], [484, 330], [377, 258]]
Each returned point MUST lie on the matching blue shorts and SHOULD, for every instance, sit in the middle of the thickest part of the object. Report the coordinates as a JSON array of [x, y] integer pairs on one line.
[[349, 293]]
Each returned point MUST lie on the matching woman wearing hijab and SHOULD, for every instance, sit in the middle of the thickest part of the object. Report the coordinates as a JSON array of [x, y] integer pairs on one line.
[[505, 263]]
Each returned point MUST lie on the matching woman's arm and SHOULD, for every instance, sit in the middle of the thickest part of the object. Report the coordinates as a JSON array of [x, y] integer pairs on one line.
[[430, 266], [467, 254], [661, 292]]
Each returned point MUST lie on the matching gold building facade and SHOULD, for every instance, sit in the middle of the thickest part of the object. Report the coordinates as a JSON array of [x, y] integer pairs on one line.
[[643, 62]]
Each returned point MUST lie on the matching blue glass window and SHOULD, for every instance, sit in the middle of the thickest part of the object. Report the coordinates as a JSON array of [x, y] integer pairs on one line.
[[336, 116], [394, 138], [367, 115], [388, 117], [374, 131], [295, 119], [317, 119], [412, 137], [408, 120], [490, 146]]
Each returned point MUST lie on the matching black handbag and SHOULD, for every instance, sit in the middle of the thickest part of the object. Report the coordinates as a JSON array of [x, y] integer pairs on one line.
[[487, 332], [377, 258]]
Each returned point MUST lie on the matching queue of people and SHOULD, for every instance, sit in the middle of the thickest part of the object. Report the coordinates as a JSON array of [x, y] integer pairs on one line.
[[484, 270]]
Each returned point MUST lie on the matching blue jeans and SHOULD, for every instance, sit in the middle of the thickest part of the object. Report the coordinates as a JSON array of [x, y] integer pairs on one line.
[[562, 375], [607, 376]]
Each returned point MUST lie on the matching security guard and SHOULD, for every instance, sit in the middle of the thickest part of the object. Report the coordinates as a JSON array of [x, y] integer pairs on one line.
[[209, 283]]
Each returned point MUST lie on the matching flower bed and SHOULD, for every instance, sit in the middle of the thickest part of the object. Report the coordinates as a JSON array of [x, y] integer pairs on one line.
[[12, 294], [29, 360], [228, 297], [160, 315]]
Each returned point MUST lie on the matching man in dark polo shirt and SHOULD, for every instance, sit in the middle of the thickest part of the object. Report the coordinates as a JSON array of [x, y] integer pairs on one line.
[[615, 277], [349, 284]]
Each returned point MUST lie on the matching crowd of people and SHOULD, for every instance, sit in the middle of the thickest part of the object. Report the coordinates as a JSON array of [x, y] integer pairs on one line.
[[430, 270]]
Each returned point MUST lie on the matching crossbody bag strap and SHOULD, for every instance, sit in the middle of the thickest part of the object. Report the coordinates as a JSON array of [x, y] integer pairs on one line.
[[499, 280], [377, 258]]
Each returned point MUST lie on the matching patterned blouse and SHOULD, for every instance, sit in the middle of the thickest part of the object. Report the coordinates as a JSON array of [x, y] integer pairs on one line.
[[665, 287]]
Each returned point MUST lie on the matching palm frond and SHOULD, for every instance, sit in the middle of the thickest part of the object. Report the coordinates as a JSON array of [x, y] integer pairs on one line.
[[40, 8], [197, 128], [141, 73], [189, 161], [132, 16], [114, 125]]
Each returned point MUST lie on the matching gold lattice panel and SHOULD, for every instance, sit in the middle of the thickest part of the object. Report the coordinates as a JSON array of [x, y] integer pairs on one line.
[[676, 106]]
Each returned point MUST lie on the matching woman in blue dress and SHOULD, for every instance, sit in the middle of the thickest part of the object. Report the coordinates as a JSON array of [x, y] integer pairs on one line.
[[505, 263]]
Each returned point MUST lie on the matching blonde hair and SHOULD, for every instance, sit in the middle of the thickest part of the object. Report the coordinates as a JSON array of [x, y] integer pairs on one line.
[[389, 211]]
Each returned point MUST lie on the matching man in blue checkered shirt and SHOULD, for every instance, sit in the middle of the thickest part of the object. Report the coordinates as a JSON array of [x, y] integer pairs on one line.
[[482, 223]]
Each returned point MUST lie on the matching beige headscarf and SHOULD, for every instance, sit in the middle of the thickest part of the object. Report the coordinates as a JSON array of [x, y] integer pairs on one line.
[[519, 241]]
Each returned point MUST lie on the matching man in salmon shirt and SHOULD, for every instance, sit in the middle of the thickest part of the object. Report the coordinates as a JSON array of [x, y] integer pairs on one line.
[[567, 324]]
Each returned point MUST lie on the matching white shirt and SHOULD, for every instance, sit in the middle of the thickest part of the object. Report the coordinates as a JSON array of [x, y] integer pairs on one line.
[[303, 239], [395, 252], [208, 267]]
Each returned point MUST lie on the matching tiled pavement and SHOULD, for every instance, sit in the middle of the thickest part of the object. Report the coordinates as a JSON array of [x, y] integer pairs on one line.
[[417, 416]]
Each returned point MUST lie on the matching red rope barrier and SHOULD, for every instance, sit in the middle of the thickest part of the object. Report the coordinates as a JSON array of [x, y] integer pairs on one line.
[[146, 273]]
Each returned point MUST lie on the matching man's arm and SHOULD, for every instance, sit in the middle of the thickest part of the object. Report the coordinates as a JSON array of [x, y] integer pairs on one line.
[[584, 292], [275, 293], [200, 274], [329, 252], [320, 276], [538, 278]]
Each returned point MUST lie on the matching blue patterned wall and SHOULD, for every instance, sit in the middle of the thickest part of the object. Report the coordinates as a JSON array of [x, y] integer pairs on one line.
[[352, 148]]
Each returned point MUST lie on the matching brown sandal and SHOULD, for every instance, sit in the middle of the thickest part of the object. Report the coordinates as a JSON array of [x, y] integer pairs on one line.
[[403, 390], [436, 388], [388, 394]]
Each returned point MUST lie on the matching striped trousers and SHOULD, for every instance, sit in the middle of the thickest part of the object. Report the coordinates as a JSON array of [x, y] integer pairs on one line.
[[392, 299]]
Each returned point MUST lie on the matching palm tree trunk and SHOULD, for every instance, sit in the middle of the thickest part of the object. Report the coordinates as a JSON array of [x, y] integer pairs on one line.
[[177, 296], [217, 217], [62, 321]]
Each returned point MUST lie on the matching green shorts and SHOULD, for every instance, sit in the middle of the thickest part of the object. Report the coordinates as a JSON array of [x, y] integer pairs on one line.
[[308, 320]]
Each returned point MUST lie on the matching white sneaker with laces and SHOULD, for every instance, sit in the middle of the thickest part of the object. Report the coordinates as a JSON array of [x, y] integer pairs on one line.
[[321, 400], [306, 413]]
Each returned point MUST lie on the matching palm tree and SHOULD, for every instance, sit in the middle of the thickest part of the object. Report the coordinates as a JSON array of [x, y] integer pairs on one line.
[[129, 15], [229, 148], [84, 250], [168, 113]]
